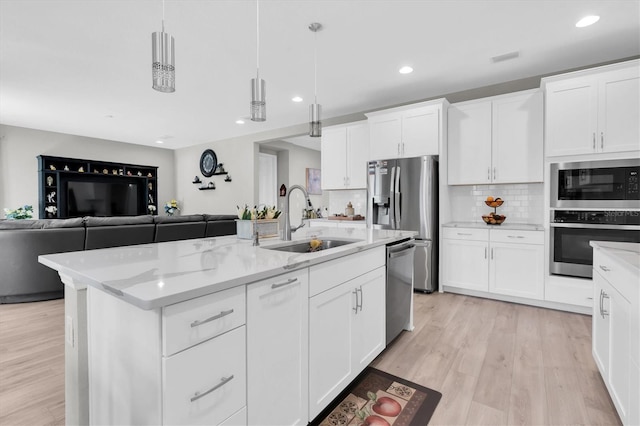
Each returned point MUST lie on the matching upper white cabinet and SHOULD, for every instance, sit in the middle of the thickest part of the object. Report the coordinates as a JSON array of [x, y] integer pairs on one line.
[[408, 131], [593, 111], [496, 140], [343, 157]]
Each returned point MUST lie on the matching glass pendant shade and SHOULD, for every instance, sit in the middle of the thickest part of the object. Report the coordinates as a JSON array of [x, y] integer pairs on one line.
[[258, 100], [315, 124], [163, 65]]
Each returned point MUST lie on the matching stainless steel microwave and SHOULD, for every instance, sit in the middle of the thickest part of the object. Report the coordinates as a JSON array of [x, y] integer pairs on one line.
[[606, 184]]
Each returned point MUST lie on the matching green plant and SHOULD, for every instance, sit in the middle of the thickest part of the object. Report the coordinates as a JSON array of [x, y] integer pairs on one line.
[[24, 212]]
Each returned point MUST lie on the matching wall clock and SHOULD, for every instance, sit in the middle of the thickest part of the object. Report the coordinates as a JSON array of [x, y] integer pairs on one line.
[[208, 163]]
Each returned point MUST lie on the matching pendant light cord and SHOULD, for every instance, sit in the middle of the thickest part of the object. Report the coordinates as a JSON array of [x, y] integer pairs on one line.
[[315, 67], [162, 15], [257, 39]]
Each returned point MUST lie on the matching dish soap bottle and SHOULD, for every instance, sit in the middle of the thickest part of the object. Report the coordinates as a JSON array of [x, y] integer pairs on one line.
[[349, 210]]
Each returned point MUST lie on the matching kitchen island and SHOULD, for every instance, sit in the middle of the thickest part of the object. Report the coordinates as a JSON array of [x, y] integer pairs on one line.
[[216, 330]]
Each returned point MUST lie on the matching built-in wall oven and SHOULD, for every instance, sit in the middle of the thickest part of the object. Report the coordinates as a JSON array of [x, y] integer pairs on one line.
[[595, 200]]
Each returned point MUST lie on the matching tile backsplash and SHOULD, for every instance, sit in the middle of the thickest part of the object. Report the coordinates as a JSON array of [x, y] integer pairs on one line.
[[523, 203], [338, 201]]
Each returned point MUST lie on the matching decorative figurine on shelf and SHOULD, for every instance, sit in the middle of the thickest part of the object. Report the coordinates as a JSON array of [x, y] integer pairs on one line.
[[283, 190], [220, 168], [196, 179], [120, 172], [139, 173], [96, 171], [114, 172], [149, 175], [151, 208], [211, 185], [51, 211], [105, 171], [49, 180], [151, 199], [51, 197], [171, 207], [228, 178], [150, 186], [52, 167], [129, 173], [81, 169], [66, 168]]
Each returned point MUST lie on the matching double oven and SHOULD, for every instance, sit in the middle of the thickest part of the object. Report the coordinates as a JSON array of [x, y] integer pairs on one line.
[[596, 200]]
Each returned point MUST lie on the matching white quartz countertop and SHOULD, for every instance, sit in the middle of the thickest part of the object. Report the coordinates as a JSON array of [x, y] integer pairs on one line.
[[627, 253], [505, 225], [160, 274]]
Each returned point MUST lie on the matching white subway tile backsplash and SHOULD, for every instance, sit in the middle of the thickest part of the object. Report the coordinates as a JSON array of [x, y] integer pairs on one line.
[[523, 203], [338, 201]]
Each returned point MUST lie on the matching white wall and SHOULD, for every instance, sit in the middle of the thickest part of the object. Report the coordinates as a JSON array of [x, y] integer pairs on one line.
[[20, 146]]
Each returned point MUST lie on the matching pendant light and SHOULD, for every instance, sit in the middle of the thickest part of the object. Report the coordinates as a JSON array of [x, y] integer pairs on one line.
[[163, 65], [315, 125], [258, 106]]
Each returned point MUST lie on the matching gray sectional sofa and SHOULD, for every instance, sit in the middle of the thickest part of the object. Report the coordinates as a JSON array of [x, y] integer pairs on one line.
[[23, 279]]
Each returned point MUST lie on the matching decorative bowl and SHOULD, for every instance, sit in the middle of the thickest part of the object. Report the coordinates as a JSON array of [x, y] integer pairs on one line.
[[495, 203], [493, 218]]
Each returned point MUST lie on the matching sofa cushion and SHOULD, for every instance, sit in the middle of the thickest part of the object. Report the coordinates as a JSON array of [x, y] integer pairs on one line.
[[221, 226], [22, 224], [63, 223], [92, 221], [179, 219]]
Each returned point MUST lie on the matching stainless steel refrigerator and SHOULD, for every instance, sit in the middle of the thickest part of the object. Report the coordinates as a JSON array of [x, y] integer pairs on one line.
[[403, 194]]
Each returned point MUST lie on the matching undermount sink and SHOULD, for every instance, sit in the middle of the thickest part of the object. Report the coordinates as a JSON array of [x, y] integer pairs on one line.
[[304, 247]]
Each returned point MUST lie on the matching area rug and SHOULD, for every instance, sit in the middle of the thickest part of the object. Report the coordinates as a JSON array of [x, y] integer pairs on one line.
[[377, 398]]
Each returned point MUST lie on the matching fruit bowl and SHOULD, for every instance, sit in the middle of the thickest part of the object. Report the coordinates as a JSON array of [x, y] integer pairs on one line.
[[493, 218], [494, 203]]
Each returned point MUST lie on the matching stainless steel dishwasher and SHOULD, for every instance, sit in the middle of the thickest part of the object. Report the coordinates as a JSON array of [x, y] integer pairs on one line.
[[399, 286]]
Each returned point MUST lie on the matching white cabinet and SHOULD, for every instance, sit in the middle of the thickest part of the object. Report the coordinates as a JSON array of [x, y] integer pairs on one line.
[[495, 261], [593, 111], [496, 140], [181, 364], [408, 131], [277, 350], [616, 333], [343, 156], [346, 322]]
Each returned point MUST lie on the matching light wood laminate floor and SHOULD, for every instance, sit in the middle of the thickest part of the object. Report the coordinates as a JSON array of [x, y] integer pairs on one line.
[[495, 363]]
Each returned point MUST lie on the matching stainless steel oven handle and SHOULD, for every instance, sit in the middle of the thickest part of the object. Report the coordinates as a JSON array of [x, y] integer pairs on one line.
[[598, 226]]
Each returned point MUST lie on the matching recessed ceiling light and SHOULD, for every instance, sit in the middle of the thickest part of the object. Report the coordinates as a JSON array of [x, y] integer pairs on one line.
[[160, 142], [296, 99], [587, 20], [405, 70], [239, 121]]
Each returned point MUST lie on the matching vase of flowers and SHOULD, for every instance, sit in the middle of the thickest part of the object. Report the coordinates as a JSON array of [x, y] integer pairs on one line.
[[24, 212], [51, 211], [171, 207]]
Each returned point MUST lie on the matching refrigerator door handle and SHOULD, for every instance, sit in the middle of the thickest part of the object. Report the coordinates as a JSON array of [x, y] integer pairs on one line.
[[398, 213], [392, 197]]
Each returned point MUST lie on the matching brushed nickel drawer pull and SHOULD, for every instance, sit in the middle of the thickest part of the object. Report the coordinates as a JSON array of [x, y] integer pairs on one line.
[[213, 318], [289, 281], [515, 236], [223, 382], [463, 233]]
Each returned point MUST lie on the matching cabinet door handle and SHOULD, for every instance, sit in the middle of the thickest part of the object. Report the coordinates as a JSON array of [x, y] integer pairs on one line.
[[463, 233], [287, 282], [488, 173], [491, 253], [361, 299], [602, 310], [355, 291], [213, 318], [594, 141], [485, 252], [494, 173], [600, 301], [515, 236], [601, 140], [223, 382], [604, 268]]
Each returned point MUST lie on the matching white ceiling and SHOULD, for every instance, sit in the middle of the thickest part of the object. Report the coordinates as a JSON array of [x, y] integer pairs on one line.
[[84, 67]]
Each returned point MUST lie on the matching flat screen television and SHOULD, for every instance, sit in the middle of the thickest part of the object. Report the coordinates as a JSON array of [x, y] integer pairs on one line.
[[103, 196]]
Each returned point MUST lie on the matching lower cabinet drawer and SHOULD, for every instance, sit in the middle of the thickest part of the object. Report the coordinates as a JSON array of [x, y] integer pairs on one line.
[[237, 419], [188, 323], [206, 384], [474, 234]]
